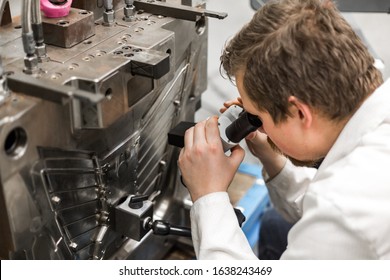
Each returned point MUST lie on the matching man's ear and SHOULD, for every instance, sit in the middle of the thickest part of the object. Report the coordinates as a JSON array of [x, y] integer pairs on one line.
[[302, 110]]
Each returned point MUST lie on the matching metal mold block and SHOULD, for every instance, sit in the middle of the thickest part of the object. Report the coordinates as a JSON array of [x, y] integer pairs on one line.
[[70, 30]]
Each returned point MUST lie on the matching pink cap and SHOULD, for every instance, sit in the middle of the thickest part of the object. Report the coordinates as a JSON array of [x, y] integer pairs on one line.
[[51, 10]]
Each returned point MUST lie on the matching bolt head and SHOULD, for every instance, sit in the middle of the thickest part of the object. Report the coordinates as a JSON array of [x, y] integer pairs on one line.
[[109, 17]]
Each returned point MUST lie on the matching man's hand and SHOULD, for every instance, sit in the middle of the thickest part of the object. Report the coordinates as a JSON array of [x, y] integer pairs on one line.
[[229, 103], [272, 161], [204, 166]]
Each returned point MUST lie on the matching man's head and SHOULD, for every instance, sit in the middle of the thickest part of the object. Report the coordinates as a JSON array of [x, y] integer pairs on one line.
[[306, 49], [302, 68]]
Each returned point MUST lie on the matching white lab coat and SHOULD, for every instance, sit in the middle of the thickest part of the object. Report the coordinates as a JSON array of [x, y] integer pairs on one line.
[[342, 211]]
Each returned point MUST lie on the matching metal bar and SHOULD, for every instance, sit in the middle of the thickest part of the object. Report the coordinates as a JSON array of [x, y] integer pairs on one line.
[[176, 11], [49, 91]]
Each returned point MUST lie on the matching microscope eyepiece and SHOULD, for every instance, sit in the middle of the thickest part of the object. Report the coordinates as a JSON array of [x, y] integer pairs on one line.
[[242, 126]]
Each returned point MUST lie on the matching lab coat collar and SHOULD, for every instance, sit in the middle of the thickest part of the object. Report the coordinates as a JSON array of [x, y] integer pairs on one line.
[[374, 110]]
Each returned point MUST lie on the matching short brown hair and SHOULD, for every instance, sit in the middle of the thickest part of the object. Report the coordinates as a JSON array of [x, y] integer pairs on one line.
[[303, 48]]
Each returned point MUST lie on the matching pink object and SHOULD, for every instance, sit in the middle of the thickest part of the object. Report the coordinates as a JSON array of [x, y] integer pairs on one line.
[[51, 10]]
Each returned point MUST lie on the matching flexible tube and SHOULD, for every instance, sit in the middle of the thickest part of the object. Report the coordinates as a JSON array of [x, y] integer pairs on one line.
[[36, 24], [108, 4], [27, 34], [36, 12]]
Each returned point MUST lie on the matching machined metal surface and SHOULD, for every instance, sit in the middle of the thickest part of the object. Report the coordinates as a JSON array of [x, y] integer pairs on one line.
[[89, 130], [68, 31]]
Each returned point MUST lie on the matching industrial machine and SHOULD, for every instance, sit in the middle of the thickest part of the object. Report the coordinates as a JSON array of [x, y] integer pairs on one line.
[[89, 90]]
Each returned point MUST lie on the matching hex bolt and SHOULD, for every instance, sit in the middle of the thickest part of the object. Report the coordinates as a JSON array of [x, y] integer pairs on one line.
[[129, 11]]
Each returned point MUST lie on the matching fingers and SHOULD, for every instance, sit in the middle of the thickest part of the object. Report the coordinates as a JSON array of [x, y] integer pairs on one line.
[[237, 155], [229, 103], [251, 135], [236, 101], [199, 133], [256, 137], [196, 135], [188, 138], [212, 131]]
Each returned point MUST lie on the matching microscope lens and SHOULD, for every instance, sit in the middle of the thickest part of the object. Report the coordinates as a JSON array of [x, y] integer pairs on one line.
[[242, 126]]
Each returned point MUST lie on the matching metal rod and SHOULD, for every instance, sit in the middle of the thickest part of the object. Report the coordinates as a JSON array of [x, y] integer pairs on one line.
[[176, 11]]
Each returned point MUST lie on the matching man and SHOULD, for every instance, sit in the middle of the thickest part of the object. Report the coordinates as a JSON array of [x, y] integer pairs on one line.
[[302, 70]]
